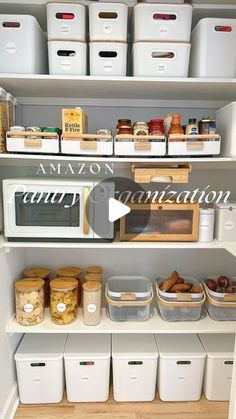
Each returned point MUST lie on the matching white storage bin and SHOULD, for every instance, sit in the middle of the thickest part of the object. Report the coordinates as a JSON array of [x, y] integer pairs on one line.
[[67, 57], [210, 145], [129, 298], [225, 222], [162, 22], [134, 361], [66, 21], [87, 367], [181, 367], [219, 365], [39, 366], [162, 59], [41, 145], [108, 58], [126, 145], [226, 126], [88, 145], [108, 21], [213, 52], [23, 45]]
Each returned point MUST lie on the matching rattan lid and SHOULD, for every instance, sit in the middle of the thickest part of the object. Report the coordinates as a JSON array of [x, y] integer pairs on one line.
[[94, 270], [63, 283], [92, 286], [37, 272], [27, 284], [69, 271]]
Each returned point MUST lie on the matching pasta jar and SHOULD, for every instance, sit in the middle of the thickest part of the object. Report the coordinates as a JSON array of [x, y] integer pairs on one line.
[[94, 270], [156, 127], [43, 273], [140, 128], [72, 272], [92, 303], [64, 300], [29, 300]]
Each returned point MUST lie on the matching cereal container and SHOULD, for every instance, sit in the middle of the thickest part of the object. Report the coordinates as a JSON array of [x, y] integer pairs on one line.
[[29, 299], [72, 272], [64, 300], [43, 273], [92, 296]]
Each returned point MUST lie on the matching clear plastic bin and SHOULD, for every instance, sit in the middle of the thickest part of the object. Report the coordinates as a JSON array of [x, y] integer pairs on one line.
[[167, 296], [129, 298], [220, 307]]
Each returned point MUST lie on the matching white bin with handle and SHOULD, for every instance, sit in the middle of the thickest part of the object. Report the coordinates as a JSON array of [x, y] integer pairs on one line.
[[108, 21], [67, 57], [66, 21]]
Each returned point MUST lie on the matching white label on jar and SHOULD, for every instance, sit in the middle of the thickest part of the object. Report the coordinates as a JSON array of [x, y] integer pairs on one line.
[[65, 29], [107, 28], [11, 48], [229, 225], [61, 307], [66, 65], [28, 308], [107, 66], [91, 308], [163, 31], [161, 68]]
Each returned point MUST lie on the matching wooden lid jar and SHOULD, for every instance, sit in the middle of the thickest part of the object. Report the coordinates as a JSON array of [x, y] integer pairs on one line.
[[92, 299], [44, 273], [29, 301], [94, 270], [64, 300], [72, 272]]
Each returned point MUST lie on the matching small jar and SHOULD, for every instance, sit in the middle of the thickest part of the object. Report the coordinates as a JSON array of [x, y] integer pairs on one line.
[[34, 129], [93, 277], [43, 273], [207, 126], [94, 270], [140, 128], [29, 300], [124, 126], [156, 127], [52, 130], [92, 303], [72, 272], [64, 300]]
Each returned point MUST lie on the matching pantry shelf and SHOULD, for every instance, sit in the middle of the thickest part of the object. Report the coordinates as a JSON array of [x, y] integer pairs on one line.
[[46, 86], [154, 325]]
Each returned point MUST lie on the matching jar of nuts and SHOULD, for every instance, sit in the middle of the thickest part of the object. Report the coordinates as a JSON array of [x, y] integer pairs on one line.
[[29, 298], [64, 300], [92, 296], [72, 272], [43, 273]]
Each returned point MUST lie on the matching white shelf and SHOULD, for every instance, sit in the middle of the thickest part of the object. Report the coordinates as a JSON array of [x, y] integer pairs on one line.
[[154, 325], [46, 86]]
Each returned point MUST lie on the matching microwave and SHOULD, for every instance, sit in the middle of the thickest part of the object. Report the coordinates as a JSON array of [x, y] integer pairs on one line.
[[53, 210]]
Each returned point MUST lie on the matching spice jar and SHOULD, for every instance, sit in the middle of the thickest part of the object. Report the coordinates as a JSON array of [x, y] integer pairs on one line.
[[93, 277], [94, 270], [64, 300], [124, 126], [29, 300], [43, 273], [207, 126], [92, 304], [72, 272], [156, 127], [140, 128]]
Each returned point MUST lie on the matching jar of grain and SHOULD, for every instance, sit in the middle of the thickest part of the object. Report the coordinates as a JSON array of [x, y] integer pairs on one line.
[[43, 273], [29, 300], [72, 272], [92, 303], [64, 300]]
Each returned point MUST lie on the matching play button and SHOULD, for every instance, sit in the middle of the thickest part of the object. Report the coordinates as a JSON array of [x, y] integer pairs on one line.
[[117, 210]]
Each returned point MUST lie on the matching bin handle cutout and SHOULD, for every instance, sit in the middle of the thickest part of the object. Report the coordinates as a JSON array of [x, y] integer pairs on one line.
[[11, 24], [220, 28], [38, 364], [183, 362], [229, 362], [66, 53], [107, 54], [164, 16], [108, 15], [65, 16], [163, 54], [87, 363], [135, 363]]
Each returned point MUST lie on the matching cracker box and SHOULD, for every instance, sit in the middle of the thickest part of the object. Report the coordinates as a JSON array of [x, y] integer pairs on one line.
[[74, 121]]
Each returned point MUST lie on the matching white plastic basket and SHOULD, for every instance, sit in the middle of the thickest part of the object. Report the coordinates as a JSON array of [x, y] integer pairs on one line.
[[66, 21], [108, 58], [108, 21], [67, 57]]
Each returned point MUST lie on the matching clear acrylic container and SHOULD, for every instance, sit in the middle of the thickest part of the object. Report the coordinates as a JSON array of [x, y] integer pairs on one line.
[[129, 298], [64, 300], [167, 296], [29, 300], [220, 306]]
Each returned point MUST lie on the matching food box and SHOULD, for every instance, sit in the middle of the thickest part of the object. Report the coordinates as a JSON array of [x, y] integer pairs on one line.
[[74, 121]]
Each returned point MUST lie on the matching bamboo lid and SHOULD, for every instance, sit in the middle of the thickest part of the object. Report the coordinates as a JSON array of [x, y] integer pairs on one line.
[[69, 271], [27, 284], [37, 272], [93, 277], [63, 283], [92, 286], [94, 270]]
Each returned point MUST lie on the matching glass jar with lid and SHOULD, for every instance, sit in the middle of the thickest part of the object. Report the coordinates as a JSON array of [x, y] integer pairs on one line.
[[92, 303], [64, 300], [124, 126], [3, 119], [43, 273], [93, 277], [29, 301], [156, 127], [72, 272], [140, 128]]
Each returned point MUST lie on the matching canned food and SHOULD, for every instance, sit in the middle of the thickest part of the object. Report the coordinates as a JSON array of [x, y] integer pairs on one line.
[[34, 129], [103, 131], [18, 129], [53, 130]]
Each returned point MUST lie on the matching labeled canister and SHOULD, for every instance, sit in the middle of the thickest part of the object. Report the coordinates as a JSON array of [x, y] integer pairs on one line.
[[29, 301], [206, 225], [64, 300], [92, 303], [43, 273]]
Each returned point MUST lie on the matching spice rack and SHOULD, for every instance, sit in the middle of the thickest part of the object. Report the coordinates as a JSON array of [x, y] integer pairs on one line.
[[188, 145], [147, 173], [87, 144], [23, 142], [140, 145]]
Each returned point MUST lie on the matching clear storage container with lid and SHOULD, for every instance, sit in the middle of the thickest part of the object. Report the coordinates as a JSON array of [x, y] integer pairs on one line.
[[64, 300], [129, 298], [29, 300], [72, 272], [92, 302], [43, 273]]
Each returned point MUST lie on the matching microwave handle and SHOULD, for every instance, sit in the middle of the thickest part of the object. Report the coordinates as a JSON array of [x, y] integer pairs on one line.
[[86, 192]]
